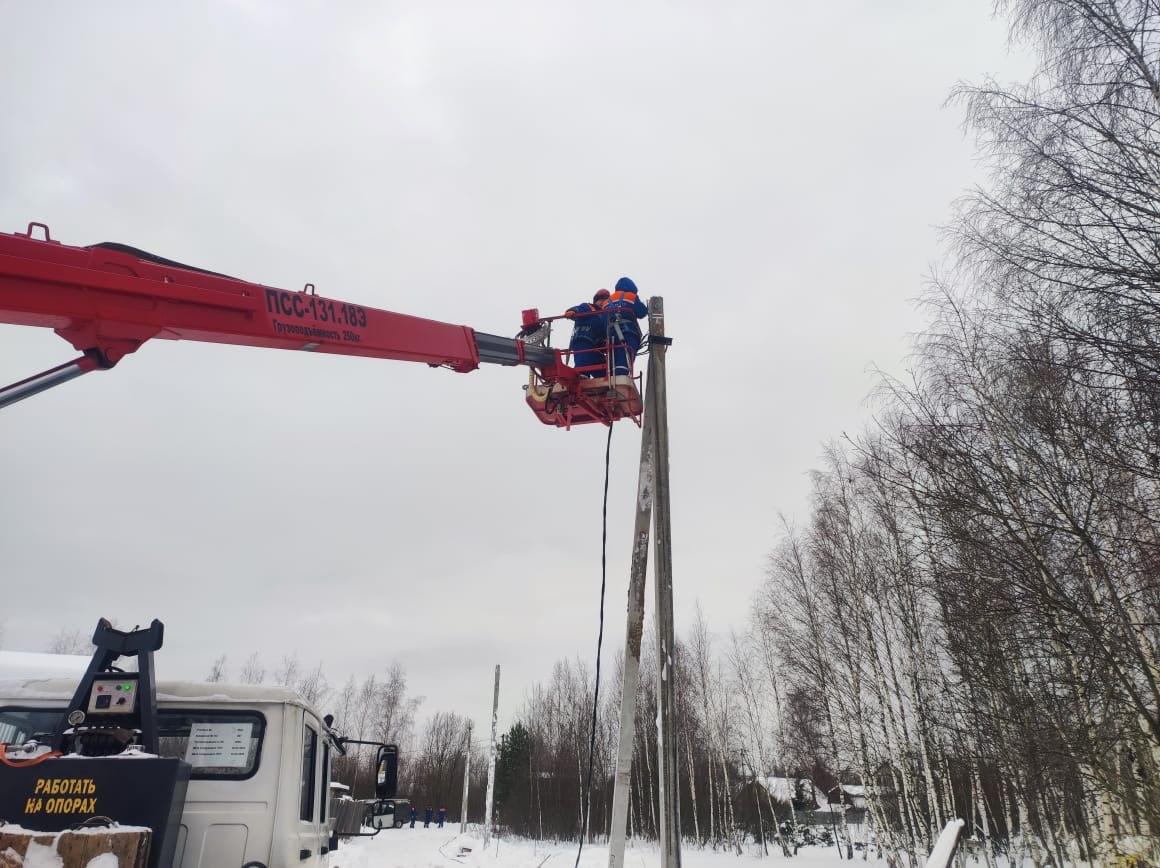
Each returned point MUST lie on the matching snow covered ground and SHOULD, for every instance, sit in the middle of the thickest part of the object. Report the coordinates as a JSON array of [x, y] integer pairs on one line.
[[428, 848]]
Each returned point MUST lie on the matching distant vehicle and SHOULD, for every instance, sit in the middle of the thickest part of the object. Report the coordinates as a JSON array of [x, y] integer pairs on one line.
[[389, 813]]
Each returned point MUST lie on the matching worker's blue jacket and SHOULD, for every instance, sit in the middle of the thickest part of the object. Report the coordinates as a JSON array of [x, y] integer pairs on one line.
[[589, 328], [623, 310]]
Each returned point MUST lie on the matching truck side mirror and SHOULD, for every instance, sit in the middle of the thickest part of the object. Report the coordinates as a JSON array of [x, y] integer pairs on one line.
[[386, 771]]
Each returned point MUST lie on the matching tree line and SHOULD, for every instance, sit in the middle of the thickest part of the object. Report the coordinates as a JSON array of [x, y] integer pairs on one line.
[[972, 605]]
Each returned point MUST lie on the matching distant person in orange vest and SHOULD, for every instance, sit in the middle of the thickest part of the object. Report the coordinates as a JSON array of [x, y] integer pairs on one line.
[[624, 308]]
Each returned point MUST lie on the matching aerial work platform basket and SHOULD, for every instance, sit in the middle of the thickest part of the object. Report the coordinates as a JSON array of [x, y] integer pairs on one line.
[[586, 399], [566, 394]]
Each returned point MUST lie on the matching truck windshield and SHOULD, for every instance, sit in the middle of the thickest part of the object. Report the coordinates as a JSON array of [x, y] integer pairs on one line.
[[218, 744]]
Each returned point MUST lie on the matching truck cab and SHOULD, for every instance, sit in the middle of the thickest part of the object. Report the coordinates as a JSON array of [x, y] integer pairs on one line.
[[261, 763]]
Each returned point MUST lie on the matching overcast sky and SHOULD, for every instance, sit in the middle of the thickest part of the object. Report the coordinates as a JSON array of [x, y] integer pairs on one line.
[[776, 171]]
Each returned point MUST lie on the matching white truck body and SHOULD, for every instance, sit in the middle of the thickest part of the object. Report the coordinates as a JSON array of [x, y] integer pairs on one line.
[[269, 809]]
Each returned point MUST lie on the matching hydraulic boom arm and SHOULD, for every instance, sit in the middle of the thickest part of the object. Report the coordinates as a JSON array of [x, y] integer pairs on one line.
[[108, 299]]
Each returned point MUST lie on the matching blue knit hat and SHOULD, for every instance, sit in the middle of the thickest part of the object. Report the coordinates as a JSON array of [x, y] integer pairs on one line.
[[625, 284]]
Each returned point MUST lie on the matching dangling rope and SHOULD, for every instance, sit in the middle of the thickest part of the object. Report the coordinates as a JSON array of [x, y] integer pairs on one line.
[[599, 643]]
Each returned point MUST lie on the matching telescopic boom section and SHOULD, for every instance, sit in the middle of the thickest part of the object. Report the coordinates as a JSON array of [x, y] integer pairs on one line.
[[108, 299]]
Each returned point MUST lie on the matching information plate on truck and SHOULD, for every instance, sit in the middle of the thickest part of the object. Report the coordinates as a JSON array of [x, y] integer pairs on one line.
[[219, 745]]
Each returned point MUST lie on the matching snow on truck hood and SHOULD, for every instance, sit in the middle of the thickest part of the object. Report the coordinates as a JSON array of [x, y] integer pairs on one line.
[[26, 675], [19, 665]]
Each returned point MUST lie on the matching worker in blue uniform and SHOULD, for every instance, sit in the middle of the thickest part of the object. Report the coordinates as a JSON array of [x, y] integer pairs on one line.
[[427, 817], [623, 310], [589, 334]]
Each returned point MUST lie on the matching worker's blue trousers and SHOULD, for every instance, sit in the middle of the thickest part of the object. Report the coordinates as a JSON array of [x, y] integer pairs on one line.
[[583, 356], [624, 355]]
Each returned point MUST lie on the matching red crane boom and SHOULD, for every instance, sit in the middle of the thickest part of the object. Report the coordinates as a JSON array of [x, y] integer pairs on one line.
[[109, 299]]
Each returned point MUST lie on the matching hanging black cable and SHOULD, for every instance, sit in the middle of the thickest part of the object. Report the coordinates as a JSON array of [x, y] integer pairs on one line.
[[599, 643]]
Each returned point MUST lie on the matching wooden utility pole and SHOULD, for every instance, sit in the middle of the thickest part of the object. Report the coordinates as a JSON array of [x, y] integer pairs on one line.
[[466, 781], [490, 802], [652, 487], [622, 782], [670, 795]]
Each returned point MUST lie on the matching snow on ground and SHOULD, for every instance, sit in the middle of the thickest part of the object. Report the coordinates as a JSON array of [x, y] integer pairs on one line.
[[442, 848]]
